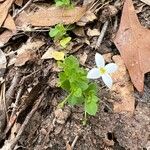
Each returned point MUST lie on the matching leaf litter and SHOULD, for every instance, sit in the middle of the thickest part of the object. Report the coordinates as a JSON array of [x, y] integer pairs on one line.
[[33, 55]]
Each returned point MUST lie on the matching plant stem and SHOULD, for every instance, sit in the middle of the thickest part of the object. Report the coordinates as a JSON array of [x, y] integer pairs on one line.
[[61, 105]]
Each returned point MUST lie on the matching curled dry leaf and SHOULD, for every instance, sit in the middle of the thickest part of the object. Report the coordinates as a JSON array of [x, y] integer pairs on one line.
[[51, 16], [133, 42], [122, 90]]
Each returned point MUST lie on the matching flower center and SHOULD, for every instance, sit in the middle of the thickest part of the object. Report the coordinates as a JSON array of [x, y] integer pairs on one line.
[[102, 70]]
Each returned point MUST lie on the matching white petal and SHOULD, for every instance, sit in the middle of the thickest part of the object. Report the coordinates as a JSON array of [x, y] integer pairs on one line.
[[107, 80], [93, 73], [111, 68], [99, 60]]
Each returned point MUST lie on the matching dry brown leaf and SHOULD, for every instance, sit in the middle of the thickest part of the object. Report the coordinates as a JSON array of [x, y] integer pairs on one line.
[[88, 17], [146, 2], [93, 32], [133, 42], [4, 8], [19, 2], [122, 90], [9, 32], [27, 52], [51, 16]]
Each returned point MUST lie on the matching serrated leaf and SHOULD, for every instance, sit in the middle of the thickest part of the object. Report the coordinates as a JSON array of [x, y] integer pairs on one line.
[[65, 41]]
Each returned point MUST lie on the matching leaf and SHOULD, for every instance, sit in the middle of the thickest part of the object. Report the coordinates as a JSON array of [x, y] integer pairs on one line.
[[58, 55], [4, 8], [51, 53], [27, 52], [65, 41], [146, 2], [3, 63], [91, 108], [50, 16], [133, 42], [9, 32], [122, 90]]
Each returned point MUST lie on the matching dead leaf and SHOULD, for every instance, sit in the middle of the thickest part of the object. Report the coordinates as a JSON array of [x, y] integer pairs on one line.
[[24, 57], [133, 42], [4, 8], [3, 63], [122, 90], [93, 32], [27, 52], [9, 32], [89, 16], [146, 2], [51, 16], [19, 2]]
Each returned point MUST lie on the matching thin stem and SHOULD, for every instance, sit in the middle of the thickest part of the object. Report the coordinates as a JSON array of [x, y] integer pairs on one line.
[[61, 105]]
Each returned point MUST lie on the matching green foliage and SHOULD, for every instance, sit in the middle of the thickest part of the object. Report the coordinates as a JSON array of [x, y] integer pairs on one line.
[[63, 3], [73, 79], [59, 33]]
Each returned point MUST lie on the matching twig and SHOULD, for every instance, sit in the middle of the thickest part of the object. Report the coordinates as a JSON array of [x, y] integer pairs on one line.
[[99, 41], [13, 116], [12, 143], [74, 141], [11, 91], [24, 7]]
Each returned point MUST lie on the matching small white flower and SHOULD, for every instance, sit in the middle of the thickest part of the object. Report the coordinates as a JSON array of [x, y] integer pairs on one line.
[[102, 70]]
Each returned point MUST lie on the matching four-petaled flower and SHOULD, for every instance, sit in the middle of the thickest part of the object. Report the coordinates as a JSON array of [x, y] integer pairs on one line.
[[102, 70]]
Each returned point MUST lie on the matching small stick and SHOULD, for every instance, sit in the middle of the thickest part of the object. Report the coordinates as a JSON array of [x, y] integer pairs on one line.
[[11, 91], [74, 141], [103, 31], [24, 7], [13, 116]]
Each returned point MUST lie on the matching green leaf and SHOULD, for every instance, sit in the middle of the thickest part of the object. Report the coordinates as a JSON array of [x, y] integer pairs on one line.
[[91, 108], [77, 92], [58, 32], [65, 41]]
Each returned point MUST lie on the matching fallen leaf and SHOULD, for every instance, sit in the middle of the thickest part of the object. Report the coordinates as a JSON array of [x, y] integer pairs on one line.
[[51, 53], [50, 16], [89, 16], [133, 42], [9, 32], [27, 52], [24, 57], [19, 2], [122, 91], [4, 8], [3, 63], [93, 32], [146, 2]]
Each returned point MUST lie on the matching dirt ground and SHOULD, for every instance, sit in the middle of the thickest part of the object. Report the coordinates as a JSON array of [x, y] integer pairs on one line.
[[54, 129]]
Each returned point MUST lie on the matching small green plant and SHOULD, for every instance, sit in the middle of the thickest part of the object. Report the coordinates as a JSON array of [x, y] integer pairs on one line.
[[63, 3], [59, 33], [73, 79]]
